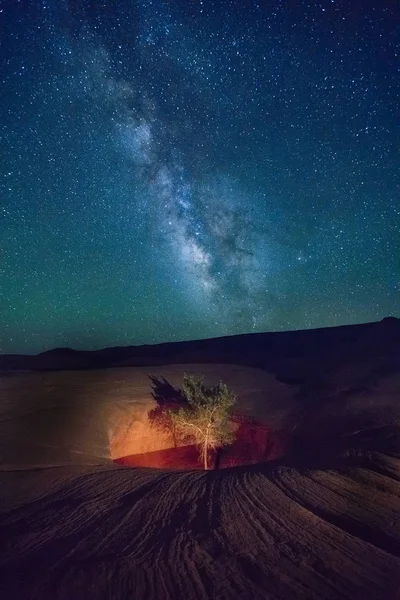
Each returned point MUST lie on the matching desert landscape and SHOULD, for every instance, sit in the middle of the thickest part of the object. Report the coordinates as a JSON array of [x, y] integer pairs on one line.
[[96, 503], [199, 291]]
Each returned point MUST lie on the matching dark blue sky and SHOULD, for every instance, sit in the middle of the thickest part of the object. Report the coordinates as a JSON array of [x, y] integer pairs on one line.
[[180, 170]]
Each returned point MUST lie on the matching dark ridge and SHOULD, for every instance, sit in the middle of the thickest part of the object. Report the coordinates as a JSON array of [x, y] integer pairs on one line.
[[291, 355], [58, 352]]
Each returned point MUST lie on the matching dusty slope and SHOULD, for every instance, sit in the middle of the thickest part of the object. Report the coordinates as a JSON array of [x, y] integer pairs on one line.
[[322, 524]]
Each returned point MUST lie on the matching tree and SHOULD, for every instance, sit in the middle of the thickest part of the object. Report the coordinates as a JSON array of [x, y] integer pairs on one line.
[[205, 417], [169, 399], [161, 418]]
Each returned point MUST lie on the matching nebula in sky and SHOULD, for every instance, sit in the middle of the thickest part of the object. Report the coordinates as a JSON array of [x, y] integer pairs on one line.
[[179, 170]]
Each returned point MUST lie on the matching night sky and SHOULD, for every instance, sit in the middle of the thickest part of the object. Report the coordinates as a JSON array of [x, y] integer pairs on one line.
[[180, 170]]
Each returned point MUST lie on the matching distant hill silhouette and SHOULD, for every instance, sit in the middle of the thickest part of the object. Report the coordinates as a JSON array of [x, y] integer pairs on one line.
[[291, 355]]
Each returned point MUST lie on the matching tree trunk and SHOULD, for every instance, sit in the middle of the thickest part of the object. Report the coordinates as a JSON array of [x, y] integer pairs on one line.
[[205, 456], [205, 452], [174, 437]]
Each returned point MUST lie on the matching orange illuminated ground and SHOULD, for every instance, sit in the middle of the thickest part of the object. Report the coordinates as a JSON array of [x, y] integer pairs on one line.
[[254, 444]]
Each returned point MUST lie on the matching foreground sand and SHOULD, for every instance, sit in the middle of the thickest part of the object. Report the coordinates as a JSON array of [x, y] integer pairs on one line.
[[321, 523], [255, 532]]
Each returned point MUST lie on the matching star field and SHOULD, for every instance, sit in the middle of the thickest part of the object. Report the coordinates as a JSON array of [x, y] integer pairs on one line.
[[181, 170]]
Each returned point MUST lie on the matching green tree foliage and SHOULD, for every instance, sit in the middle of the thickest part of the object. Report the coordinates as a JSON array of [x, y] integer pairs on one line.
[[205, 417]]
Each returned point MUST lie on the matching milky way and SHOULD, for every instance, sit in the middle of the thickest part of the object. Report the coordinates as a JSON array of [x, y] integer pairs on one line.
[[177, 170], [205, 222]]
